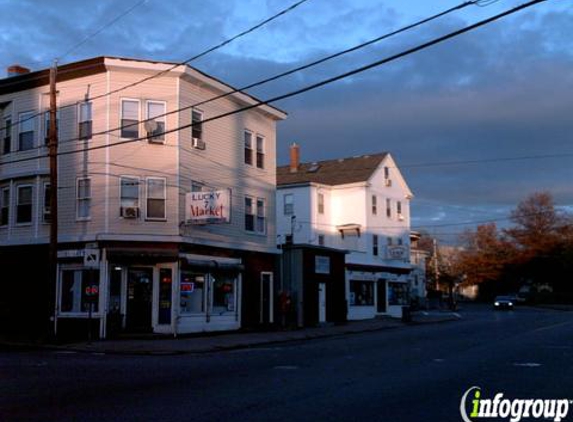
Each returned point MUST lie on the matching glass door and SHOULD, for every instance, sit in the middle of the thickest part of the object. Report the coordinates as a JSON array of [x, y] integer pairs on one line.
[[139, 299]]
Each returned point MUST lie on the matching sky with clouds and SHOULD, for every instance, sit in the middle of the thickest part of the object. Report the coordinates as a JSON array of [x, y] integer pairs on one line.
[[483, 100]]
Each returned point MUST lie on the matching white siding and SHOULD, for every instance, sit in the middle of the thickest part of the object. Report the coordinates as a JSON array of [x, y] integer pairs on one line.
[[219, 166]]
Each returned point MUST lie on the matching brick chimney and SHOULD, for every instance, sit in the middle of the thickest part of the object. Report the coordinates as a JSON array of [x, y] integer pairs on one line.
[[294, 157], [16, 70]]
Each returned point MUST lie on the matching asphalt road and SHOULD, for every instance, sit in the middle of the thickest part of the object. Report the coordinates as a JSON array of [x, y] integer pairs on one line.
[[415, 373]]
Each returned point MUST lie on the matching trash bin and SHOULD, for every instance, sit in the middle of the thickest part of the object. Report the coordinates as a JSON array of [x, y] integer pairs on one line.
[[406, 314]]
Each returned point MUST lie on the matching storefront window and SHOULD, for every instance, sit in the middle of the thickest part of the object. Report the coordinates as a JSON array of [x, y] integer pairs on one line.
[[192, 296], [76, 293], [397, 294], [361, 293], [223, 295]]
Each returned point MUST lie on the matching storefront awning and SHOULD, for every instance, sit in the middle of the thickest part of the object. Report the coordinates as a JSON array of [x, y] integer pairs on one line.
[[211, 263], [379, 268], [138, 255]]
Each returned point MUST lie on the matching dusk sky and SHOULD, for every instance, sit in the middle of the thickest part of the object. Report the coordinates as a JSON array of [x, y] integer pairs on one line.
[[500, 92]]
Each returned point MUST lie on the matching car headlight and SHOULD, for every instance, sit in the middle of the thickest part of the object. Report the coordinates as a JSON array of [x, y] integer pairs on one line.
[[496, 303]]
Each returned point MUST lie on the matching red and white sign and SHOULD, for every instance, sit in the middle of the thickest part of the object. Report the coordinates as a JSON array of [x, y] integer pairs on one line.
[[208, 207]]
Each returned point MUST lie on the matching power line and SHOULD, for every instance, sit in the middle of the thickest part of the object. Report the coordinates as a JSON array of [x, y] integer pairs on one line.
[[296, 69], [307, 88], [209, 50], [195, 57], [102, 28]]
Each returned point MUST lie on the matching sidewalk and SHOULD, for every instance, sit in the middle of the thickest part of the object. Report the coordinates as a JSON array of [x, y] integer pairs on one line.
[[212, 342]]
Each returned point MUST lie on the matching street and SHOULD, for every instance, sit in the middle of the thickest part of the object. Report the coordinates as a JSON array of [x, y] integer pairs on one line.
[[412, 373]]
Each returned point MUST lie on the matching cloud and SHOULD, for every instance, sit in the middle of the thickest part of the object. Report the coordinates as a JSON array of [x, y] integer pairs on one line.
[[501, 91]]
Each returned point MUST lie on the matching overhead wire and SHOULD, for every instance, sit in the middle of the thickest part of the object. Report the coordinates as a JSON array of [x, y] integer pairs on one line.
[[313, 86], [288, 72], [189, 60]]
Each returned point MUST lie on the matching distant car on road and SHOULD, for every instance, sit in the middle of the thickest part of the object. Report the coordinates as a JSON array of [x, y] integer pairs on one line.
[[503, 302]]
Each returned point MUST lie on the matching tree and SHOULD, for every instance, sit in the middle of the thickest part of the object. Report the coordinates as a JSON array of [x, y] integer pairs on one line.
[[543, 238], [484, 256], [538, 225]]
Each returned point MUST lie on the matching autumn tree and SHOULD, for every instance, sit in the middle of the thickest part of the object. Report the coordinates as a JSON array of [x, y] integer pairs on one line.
[[484, 256], [543, 239]]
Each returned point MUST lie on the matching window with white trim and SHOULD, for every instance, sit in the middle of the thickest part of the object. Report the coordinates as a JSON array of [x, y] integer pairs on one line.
[[85, 120], [5, 206], [248, 140], [375, 244], [260, 151], [26, 130], [156, 193], [288, 204], [374, 205], [261, 216], [156, 111], [46, 208], [74, 287], [129, 196], [192, 290], [388, 207], [320, 200], [7, 136], [130, 119], [399, 210], [24, 204], [83, 199], [47, 126], [249, 214], [197, 127]]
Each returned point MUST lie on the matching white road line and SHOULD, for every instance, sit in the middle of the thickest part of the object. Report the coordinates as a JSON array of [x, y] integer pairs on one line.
[[528, 364]]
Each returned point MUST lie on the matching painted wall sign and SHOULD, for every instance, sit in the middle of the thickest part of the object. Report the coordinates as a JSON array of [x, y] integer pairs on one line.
[[208, 207], [396, 252]]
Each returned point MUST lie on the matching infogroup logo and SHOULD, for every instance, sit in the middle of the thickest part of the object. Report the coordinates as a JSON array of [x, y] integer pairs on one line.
[[513, 409]]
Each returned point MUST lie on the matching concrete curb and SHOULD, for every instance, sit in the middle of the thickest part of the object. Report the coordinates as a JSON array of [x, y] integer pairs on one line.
[[296, 337]]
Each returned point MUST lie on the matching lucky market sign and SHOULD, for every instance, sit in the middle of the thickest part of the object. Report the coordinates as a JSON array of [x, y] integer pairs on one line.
[[208, 207]]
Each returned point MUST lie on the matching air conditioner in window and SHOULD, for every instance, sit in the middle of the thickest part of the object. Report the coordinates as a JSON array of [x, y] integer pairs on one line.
[[129, 212], [400, 217], [151, 128], [388, 182], [198, 143]]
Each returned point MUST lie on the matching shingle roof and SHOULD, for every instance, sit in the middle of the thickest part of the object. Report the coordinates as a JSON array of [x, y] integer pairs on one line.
[[332, 172]]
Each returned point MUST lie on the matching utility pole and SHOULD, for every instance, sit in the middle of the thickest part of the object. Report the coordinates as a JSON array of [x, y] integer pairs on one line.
[[53, 154], [436, 269]]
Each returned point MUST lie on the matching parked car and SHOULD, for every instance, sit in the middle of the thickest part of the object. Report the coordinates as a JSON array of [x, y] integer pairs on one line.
[[503, 302]]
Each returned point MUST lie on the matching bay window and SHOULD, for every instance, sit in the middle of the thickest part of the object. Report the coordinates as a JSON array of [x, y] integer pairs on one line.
[[83, 198], [260, 151], [130, 119], [26, 131], [85, 120], [155, 112], [156, 193], [24, 205], [248, 140]]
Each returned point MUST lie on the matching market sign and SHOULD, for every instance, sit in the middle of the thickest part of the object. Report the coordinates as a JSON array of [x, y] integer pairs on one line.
[[208, 207], [396, 252]]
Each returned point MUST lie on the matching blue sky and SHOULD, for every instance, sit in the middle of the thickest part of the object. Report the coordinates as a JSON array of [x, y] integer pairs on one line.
[[501, 91]]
